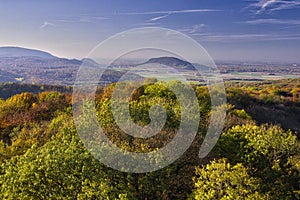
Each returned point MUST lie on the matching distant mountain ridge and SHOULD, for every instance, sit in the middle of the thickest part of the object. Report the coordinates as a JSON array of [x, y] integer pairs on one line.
[[22, 65], [24, 52], [172, 62]]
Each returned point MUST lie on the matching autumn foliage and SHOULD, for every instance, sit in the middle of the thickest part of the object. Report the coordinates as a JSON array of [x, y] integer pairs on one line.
[[42, 156]]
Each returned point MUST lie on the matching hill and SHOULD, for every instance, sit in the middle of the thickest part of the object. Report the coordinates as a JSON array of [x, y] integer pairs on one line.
[[172, 61], [23, 52], [20, 65], [43, 155]]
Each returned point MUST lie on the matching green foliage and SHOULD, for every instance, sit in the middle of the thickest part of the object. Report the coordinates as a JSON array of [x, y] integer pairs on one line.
[[48, 104], [20, 102], [269, 93], [42, 157], [255, 145], [139, 107], [62, 169], [221, 180], [266, 150], [236, 117]]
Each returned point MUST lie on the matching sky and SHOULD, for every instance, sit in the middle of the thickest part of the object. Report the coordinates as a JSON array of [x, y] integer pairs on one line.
[[230, 30]]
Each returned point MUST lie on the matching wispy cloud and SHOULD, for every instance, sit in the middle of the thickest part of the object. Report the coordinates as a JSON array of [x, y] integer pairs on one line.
[[247, 37], [166, 12], [274, 5], [158, 18], [80, 19], [67, 20], [232, 37], [195, 29], [287, 5], [273, 21], [264, 4], [90, 19], [46, 24]]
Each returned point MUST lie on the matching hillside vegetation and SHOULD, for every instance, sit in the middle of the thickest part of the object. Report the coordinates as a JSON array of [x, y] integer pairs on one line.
[[257, 156]]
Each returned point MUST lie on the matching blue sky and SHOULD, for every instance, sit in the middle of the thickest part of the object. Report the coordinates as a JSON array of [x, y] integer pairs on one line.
[[246, 30]]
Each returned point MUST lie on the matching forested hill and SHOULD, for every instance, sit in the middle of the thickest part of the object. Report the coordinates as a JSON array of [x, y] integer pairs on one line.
[[171, 61], [9, 89], [268, 102], [276, 102], [42, 156]]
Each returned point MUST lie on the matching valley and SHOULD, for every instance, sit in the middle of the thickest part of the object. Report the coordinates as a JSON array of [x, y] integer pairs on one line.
[[30, 67]]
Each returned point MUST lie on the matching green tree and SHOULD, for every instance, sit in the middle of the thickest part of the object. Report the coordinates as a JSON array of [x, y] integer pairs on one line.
[[61, 169], [266, 151], [221, 180]]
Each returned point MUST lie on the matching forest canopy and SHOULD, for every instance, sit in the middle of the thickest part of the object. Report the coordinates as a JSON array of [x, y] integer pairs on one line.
[[256, 157]]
